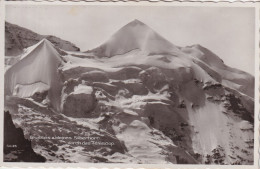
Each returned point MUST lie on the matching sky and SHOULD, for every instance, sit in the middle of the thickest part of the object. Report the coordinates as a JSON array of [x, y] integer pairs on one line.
[[229, 32]]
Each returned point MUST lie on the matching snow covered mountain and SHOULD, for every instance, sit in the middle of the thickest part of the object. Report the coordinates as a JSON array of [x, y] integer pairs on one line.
[[140, 99], [35, 74], [135, 35]]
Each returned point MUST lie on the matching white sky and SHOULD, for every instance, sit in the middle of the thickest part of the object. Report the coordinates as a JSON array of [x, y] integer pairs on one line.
[[227, 31]]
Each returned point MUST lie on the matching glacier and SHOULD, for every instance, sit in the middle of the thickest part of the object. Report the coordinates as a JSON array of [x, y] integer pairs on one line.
[[159, 103]]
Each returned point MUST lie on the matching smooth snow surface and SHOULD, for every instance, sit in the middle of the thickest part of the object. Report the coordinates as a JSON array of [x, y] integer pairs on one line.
[[135, 35], [39, 64]]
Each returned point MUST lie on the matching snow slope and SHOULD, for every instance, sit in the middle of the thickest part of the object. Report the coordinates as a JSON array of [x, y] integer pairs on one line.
[[39, 65], [157, 102], [231, 77], [134, 35]]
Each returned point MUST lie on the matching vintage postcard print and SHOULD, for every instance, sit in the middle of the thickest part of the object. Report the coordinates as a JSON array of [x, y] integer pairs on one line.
[[164, 85]]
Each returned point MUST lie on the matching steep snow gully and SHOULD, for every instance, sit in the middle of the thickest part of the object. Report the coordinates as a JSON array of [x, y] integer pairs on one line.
[[144, 99]]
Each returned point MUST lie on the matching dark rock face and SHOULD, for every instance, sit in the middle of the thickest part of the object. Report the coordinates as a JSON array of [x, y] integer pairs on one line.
[[75, 104], [79, 105], [17, 38], [16, 147], [238, 108], [40, 96]]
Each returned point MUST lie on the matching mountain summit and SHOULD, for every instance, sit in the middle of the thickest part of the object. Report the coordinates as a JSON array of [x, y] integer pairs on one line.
[[136, 22], [146, 100], [134, 35], [138, 36], [36, 72]]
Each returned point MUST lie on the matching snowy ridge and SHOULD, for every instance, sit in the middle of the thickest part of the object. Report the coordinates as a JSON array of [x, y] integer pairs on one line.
[[156, 102], [39, 64], [134, 35]]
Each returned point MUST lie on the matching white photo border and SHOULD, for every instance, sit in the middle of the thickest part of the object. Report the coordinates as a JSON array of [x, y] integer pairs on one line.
[[123, 165]]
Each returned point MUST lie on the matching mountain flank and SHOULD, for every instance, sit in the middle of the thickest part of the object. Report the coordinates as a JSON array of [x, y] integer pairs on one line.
[[145, 99], [18, 38]]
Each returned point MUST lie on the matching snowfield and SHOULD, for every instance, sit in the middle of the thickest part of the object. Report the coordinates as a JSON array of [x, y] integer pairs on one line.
[[156, 102]]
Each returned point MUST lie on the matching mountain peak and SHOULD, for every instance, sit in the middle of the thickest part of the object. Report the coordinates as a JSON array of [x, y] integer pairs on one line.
[[45, 41], [39, 63], [132, 36], [136, 22]]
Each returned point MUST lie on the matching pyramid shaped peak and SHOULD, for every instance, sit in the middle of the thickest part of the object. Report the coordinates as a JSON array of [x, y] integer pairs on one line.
[[136, 22], [196, 45], [135, 35], [44, 40], [39, 46], [39, 63]]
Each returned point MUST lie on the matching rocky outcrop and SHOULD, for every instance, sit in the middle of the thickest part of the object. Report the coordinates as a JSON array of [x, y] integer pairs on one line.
[[16, 147], [79, 103], [18, 38]]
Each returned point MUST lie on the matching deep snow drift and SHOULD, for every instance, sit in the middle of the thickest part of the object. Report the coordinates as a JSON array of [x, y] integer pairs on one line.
[[156, 102]]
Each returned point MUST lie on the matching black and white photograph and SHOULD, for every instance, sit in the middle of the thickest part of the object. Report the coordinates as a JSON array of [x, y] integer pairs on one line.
[[130, 84]]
